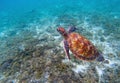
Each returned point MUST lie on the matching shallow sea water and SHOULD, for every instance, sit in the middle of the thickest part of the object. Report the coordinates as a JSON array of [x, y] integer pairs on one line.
[[31, 50]]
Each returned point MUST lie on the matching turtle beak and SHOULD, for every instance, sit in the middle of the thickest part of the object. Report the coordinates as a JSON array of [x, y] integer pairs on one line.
[[58, 30]]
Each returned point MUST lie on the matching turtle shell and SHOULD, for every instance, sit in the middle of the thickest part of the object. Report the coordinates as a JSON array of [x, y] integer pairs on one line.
[[81, 47]]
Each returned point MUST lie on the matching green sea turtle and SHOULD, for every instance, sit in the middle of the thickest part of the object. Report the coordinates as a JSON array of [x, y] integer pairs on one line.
[[80, 46]]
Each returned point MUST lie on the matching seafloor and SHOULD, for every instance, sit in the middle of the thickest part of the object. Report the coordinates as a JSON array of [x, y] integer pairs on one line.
[[31, 51]]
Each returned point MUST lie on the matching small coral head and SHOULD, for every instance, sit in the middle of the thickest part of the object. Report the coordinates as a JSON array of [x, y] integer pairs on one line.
[[62, 31]]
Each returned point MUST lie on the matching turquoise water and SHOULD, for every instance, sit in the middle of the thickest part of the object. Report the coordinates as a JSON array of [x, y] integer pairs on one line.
[[28, 31]]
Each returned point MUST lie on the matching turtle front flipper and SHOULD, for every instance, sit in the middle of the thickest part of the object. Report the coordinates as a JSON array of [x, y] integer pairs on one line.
[[66, 49], [72, 29]]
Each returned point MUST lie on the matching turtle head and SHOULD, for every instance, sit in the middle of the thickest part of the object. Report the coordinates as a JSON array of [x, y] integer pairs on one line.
[[62, 31]]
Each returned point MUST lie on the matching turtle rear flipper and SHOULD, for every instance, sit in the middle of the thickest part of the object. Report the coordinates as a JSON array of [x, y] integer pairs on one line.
[[100, 58]]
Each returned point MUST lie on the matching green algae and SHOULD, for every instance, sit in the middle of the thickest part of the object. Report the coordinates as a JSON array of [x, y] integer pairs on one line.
[[38, 73], [62, 67]]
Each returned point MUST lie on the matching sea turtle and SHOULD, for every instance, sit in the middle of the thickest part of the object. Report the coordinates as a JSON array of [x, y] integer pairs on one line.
[[80, 46]]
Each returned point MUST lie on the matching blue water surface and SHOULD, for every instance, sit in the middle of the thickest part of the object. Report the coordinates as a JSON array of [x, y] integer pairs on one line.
[[12, 12]]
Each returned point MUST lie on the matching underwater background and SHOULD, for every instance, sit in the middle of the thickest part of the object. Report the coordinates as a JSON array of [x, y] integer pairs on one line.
[[31, 50]]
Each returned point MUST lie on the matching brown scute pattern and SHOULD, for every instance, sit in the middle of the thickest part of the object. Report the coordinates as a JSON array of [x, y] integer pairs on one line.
[[81, 47]]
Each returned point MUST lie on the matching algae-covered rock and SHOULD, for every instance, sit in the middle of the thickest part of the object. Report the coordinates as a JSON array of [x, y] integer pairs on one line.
[[6, 64], [62, 67], [38, 73]]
